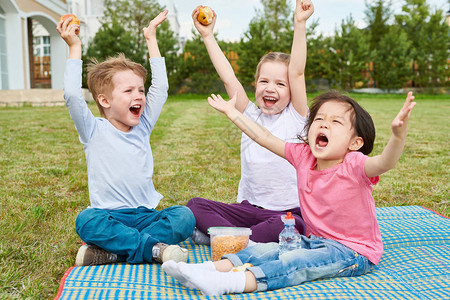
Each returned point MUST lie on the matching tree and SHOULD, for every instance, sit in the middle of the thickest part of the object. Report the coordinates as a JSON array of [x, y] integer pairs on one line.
[[413, 21], [133, 16], [169, 46], [200, 75], [278, 18], [437, 46], [430, 42], [351, 47], [377, 17], [319, 57], [253, 46], [270, 30], [121, 31], [108, 41], [392, 59]]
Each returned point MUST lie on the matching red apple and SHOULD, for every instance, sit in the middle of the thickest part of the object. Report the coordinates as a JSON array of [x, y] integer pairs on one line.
[[74, 21]]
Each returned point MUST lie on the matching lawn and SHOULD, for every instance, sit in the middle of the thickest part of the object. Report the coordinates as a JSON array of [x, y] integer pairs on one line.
[[43, 182]]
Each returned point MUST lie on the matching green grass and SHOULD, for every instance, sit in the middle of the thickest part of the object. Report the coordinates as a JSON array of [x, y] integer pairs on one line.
[[43, 182]]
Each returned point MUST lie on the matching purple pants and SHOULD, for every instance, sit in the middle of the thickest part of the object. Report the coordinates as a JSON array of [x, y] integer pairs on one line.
[[265, 224]]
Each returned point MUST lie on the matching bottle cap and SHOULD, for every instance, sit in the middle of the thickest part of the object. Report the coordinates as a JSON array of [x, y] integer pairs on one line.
[[288, 219]]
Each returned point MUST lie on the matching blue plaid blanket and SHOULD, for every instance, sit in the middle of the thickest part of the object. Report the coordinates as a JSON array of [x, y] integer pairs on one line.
[[415, 265]]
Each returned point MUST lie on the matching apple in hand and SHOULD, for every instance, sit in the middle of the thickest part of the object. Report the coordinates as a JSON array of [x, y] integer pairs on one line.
[[74, 21], [205, 15]]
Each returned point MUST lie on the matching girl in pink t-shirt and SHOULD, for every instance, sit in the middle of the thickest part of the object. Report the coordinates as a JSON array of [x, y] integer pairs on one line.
[[335, 178]]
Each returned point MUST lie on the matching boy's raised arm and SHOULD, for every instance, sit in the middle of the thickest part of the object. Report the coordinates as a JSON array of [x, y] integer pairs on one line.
[[382, 163], [79, 112], [220, 62], [252, 129], [150, 34], [158, 90], [303, 11]]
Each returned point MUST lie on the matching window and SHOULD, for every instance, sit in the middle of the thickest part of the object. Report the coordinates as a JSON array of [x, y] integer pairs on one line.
[[41, 46]]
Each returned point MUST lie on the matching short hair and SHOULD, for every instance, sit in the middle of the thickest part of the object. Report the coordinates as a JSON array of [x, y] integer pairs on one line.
[[100, 75], [361, 120], [272, 57]]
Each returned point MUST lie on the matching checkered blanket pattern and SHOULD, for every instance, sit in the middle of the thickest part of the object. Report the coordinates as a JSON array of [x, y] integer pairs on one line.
[[415, 265]]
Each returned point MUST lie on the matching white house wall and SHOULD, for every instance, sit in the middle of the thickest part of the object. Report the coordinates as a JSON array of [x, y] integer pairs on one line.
[[15, 64], [47, 12]]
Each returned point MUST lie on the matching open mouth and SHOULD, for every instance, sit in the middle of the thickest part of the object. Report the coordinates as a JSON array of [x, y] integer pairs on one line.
[[321, 140], [269, 101], [135, 109]]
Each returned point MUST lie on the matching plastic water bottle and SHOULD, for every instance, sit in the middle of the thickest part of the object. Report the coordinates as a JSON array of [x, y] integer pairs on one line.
[[289, 236]]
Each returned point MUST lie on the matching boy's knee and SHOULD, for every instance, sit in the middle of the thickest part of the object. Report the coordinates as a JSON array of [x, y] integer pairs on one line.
[[86, 217], [187, 222], [82, 217], [185, 217], [190, 218]]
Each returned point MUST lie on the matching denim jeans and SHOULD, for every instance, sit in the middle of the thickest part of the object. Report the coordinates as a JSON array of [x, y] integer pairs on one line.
[[317, 258], [131, 233]]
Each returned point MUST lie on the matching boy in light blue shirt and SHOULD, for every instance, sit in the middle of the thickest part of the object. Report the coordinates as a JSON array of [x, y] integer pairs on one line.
[[122, 223]]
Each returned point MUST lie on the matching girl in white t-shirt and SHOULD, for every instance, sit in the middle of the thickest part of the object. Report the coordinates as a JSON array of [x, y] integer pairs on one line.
[[268, 187]]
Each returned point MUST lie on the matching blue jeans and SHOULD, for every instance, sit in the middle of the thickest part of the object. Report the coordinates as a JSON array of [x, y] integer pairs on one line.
[[131, 233], [318, 258]]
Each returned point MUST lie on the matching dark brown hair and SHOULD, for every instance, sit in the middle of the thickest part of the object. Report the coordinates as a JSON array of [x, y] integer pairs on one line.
[[361, 120]]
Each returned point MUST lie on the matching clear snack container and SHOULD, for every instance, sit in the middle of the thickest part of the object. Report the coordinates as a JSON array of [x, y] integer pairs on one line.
[[225, 240]]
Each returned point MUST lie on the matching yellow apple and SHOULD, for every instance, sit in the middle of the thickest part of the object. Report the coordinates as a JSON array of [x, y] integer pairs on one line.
[[205, 15]]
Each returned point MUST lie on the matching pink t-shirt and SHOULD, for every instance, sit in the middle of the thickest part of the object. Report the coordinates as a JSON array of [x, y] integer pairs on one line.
[[337, 203]]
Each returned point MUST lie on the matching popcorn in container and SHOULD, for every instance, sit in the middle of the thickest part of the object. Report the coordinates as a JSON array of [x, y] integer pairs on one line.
[[226, 240]]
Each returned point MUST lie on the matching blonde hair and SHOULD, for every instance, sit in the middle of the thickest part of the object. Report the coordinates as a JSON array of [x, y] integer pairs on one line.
[[100, 75], [272, 57]]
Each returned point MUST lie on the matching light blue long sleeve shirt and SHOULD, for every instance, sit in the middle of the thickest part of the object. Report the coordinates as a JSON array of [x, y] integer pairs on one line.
[[119, 164]]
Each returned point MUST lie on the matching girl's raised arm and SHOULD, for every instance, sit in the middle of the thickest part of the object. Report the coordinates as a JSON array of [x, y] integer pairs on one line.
[[382, 163], [253, 130], [303, 11], [220, 62]]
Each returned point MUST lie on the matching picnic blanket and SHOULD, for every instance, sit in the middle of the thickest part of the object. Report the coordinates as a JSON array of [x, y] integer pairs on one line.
[[415, 265]]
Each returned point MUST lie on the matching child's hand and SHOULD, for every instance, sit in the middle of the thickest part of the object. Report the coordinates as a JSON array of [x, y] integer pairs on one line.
[[379, 164], [303, 10], [150, 31], [221, 105], [204, 30], [400, 123], [67, 32]]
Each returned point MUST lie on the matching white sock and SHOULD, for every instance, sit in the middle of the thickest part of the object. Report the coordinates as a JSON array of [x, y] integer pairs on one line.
[[213, 282], [172, 268]]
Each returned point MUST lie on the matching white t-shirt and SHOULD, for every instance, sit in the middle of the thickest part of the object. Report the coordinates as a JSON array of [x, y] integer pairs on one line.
[[268, 180]]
